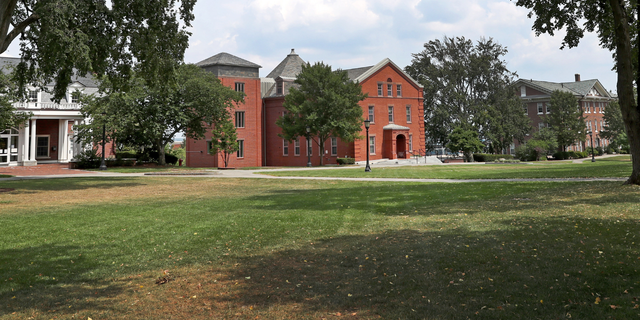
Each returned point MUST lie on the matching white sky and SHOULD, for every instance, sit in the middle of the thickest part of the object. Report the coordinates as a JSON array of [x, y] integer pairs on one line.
[[357, 33]]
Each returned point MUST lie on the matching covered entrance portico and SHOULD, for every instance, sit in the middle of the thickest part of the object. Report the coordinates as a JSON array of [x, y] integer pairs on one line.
[[41, 139], [395, 142]]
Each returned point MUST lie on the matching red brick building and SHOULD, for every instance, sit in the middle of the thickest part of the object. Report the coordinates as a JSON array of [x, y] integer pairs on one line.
[[240, 75], [592, 97], [394, 106]]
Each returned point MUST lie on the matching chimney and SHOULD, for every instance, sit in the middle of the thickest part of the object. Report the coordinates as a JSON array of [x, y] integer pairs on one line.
[[293, 52], [577, 77]]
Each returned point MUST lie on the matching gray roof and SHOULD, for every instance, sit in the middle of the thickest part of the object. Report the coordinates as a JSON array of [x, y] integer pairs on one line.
[[290, 67], [577, 88], [225, 59], [354, 73], [7, 62]]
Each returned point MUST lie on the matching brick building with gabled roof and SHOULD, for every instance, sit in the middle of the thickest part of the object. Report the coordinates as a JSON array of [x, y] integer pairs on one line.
[[592, 98], [394, 106]]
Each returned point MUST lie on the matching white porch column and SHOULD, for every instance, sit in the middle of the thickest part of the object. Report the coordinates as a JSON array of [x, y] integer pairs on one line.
[[32, 149], [63, 141], [23, 143]]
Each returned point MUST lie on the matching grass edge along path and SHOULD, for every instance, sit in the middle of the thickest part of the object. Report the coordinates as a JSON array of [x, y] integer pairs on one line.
[[615, 167], [308, 249]]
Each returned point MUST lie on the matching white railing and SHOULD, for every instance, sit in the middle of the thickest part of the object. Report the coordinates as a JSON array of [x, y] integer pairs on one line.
[[46, 106]]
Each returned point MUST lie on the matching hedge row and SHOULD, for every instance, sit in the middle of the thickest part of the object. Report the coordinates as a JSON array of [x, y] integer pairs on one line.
[[346, 160], [483, 157], [563, 155]]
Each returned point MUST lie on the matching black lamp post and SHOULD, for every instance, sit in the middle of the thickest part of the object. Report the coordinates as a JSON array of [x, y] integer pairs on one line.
[[308, 148], [103, 165], [593, 155], [366, 126]]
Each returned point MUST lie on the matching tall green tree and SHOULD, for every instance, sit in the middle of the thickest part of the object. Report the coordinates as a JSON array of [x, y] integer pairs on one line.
[[151, 115], [224, 141], [326, 101], [613, 124], [616, 23], [468, 83], [59, 38], [9, 118], [465, 139], [566, 119]]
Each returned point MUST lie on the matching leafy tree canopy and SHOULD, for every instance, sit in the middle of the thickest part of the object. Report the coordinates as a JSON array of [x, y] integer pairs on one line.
[[464, 138], [9, 118], [59, 38], [149, 115], [326, 101], [566, 119], [468, 84], [224, 141], [616, 23]]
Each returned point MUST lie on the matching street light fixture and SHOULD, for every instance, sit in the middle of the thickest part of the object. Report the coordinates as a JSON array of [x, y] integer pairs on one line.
[[366, 126], [593, 155], [308, 147], [103, 165]]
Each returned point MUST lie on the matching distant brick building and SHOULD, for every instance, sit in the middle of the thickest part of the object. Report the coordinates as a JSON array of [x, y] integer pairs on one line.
[[592, 97], [394, 106]]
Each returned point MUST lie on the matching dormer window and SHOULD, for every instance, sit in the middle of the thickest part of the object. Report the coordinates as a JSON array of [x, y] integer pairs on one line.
[[75, 97], [279, 87], [33, 95]]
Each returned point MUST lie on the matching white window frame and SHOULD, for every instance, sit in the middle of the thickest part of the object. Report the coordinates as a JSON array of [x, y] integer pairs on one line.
[[334, 146], [372, 144], [399, 90], [523, 91], [48, 146], [548, 109], [540, 104], [380, 89], [526, 109], [408, 107], [390, 114], [285, 147], [240, 119], [372, 114], [410, 142], [389, 90], [240, 152], [31, 95], [296, 147]]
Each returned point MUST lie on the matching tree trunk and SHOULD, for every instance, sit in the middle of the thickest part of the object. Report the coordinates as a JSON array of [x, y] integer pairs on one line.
[[161, 160], [628, 105], [321, 144]]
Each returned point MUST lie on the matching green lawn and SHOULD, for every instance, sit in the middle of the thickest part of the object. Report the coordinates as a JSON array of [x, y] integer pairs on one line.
[[276, 249], [602, 168]]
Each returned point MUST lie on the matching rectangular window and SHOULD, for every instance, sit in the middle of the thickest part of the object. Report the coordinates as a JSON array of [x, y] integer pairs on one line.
[[309, 147], [42, 149], [408, 114], [372, 145], [540, 125], [33, 95], [334, 146], [390, 114], [548, 108], [240, 152], [239, 119], [279, 89], [399, 90], [285, 147], [526, 109], [523, 91], [596, 123], [410, 142], [539, 107], [371, 114], [240, 86], [209, 147], [379, 89], [389, 90], [75, 97], [296, 147]]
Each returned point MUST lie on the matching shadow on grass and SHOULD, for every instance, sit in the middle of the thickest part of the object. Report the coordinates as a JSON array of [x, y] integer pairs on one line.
[[432, 199], [71, 184], [551, 270], [51, 279]]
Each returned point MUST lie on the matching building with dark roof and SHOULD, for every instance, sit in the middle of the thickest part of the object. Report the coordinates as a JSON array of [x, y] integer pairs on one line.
[[394, 107], [49, 135], [592, 98]]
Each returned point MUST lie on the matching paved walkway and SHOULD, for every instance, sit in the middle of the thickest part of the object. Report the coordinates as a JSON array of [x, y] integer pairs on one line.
[[48, 171]]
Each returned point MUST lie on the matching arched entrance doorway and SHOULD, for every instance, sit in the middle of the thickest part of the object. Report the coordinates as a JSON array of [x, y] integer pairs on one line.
[[401, 146]]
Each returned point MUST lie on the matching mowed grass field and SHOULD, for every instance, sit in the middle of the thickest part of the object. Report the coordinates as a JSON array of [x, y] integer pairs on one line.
[[207, 248], [614, 167]]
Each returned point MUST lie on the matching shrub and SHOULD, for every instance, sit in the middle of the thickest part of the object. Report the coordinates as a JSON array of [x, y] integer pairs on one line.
[[346, 160], [88, 159], [126, 154], [483, 157], [170, 159], [599, 151]]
